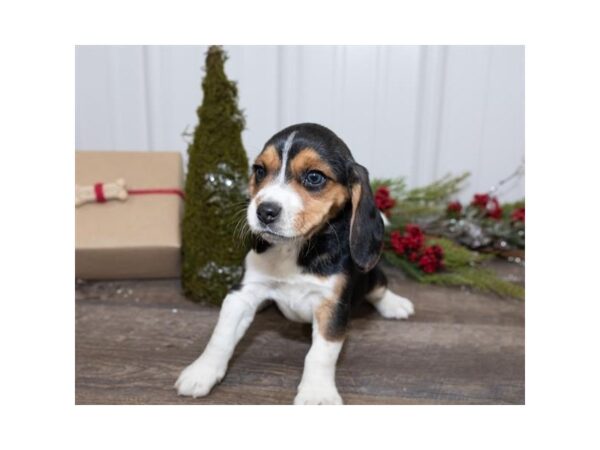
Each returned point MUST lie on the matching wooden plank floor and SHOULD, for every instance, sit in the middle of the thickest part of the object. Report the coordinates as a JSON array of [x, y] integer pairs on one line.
[[134, 337]]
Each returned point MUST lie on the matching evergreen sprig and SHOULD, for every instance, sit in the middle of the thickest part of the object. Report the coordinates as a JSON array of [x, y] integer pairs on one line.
[[463, 268], [426, 207], [422, 204]]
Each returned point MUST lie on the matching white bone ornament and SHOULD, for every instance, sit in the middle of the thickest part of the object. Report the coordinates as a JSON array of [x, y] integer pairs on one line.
[[112, 191]]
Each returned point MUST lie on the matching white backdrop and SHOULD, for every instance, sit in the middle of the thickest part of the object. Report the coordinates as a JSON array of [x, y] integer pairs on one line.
[[413, 111]]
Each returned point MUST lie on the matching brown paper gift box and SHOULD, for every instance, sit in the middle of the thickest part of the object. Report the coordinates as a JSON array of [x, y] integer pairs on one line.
[[136, 238]]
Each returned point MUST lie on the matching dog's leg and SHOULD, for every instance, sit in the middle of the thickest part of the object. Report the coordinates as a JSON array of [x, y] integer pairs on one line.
[[318, 379], [390, 305], [236, 314]]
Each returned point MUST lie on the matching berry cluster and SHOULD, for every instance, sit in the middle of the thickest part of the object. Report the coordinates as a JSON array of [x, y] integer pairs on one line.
[[432, 259], [490, 205], [384, 200], [410, 245], [518, 215], [454, 209]]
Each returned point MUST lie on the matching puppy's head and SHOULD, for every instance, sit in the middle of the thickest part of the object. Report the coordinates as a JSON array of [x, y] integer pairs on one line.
[[306, 176]]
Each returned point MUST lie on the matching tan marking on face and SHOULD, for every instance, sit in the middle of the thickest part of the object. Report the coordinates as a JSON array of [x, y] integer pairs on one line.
[[308, 159], [269, 159], [319, 206], [325, 312]]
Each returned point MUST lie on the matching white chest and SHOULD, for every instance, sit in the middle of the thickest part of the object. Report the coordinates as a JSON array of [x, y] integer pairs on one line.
[[275, 275]]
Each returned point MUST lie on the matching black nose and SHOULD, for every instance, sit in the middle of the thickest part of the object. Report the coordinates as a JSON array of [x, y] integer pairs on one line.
[[268, 212]]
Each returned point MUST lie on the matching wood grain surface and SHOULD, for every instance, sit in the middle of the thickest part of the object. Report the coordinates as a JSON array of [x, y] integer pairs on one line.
[[134, 337]]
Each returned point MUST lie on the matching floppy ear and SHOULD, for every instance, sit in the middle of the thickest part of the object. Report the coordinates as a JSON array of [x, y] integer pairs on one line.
[[366, 224]]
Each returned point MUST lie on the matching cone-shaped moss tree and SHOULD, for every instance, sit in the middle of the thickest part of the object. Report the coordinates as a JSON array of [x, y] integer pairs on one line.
[[215, 189]]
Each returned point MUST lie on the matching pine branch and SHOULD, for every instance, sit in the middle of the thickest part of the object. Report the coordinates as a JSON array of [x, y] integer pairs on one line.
[[478, 278], [420, 204], [462, 269], [455, 255]]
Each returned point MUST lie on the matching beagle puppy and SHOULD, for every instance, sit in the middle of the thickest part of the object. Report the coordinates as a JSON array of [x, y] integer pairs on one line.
[[317, 240]]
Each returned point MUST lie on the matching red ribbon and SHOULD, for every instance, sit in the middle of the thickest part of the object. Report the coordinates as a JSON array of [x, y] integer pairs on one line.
[[100, 198], [99, 191], [156, 191]]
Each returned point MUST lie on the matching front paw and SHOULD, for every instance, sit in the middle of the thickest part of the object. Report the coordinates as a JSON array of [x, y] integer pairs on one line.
[[318, 396], [197, 379], [392, 306]]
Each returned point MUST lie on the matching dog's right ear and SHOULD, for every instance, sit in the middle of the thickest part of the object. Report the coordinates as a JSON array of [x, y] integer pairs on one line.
[[366, 225]]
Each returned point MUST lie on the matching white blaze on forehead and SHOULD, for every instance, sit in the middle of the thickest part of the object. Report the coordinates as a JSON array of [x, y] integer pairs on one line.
[[284, 156], [283, 194]]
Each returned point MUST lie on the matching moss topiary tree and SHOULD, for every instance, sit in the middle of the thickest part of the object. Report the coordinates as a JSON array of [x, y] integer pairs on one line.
[[215, 189]]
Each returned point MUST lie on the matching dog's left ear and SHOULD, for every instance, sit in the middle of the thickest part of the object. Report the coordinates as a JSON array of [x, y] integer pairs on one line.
[[366, 225]]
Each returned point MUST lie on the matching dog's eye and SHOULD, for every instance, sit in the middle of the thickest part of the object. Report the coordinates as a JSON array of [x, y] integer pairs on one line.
[[259, 172], [314, 179]]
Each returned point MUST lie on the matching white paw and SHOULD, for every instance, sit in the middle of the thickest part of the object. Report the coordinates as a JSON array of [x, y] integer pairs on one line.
[[198, 378], [318, 396], [392, 306]]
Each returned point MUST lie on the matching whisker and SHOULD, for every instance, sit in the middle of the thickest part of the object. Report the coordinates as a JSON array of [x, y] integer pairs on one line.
[[240, 228]]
